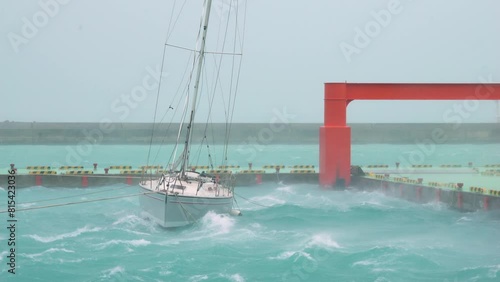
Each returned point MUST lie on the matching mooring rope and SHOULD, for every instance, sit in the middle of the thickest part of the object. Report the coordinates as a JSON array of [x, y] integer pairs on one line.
[[79, 202], [71, 196], [252, 202]]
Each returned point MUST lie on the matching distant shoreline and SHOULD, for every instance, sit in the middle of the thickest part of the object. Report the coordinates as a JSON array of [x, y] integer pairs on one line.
[[47, 133]]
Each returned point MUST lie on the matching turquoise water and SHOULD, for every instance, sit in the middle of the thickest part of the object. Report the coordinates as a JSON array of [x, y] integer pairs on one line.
[[297, 232]]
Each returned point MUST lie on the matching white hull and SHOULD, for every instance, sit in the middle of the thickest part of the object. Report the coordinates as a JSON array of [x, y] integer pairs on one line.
[[173, 208]]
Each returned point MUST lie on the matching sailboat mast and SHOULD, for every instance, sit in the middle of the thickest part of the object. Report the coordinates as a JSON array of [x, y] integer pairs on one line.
[[201, 56]]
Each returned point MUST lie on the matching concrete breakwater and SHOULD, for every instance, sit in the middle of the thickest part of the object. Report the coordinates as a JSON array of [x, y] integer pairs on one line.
[[35, 133]]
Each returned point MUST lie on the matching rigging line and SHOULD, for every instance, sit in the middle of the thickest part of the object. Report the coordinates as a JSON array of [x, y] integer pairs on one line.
[[239, 67], [156, 104], [224, 53], [170, 21], [218, 67], [169, 32], [177, 106], [66, 197], [80, 202], [217, 78], [231, 114], [186, 212], [186, 90], [207, 122], [179, 133], [252, 202], [177, 92], [91, 175], [182, 48], [228, 116], [206, 52], [213, 142]]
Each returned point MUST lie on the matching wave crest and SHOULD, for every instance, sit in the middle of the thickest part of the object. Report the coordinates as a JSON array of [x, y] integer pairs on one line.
[[76, 233]]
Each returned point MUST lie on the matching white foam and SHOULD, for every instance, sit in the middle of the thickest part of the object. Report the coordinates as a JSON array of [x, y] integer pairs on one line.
[[376, 204], [71, 260], [73, 234], [132, 221], [134, 243], [464, 218], [237, 278], [288, 254], [380, 269], [367, 262], [112, 271], [255, 225], [26, 205], [286, 189], [493, 271], [3, 254], [323, 240], [49, 251], [197, 278], [268, 200], [283, 256], [219, 223], [129, 220], [234, 277]]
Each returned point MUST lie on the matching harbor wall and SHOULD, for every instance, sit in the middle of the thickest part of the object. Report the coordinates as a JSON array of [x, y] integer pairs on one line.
[[454, 199], [34, 133]]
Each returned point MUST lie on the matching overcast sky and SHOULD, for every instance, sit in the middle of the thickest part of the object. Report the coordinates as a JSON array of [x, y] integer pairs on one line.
[[63, 60]]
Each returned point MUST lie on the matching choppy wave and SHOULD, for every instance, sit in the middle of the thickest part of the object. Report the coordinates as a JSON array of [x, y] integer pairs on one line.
[[3, 255], [197, 278], [267, 201], [132, 223], [76, 233], [290, 254], [323, 240], [49, 251], [218, 223], [233, 277], [112, 272], [133, 243]]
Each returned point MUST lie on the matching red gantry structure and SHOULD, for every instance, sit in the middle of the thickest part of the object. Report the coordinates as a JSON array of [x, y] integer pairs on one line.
[[335, 135]]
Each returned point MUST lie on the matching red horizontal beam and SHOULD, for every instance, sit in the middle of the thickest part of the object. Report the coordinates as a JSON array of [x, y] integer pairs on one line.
[[413, 91]]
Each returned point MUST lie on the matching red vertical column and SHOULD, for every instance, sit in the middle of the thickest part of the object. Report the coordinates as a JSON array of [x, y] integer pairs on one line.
[[485, 203], [85, 181], [335, 138], [38, 180], [258, 178]]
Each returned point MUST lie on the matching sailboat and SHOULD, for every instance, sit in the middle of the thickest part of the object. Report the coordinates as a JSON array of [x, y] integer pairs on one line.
[[180, 195]]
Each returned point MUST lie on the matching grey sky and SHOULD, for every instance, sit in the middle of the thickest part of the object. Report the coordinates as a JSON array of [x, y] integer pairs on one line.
[[88, 53]]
